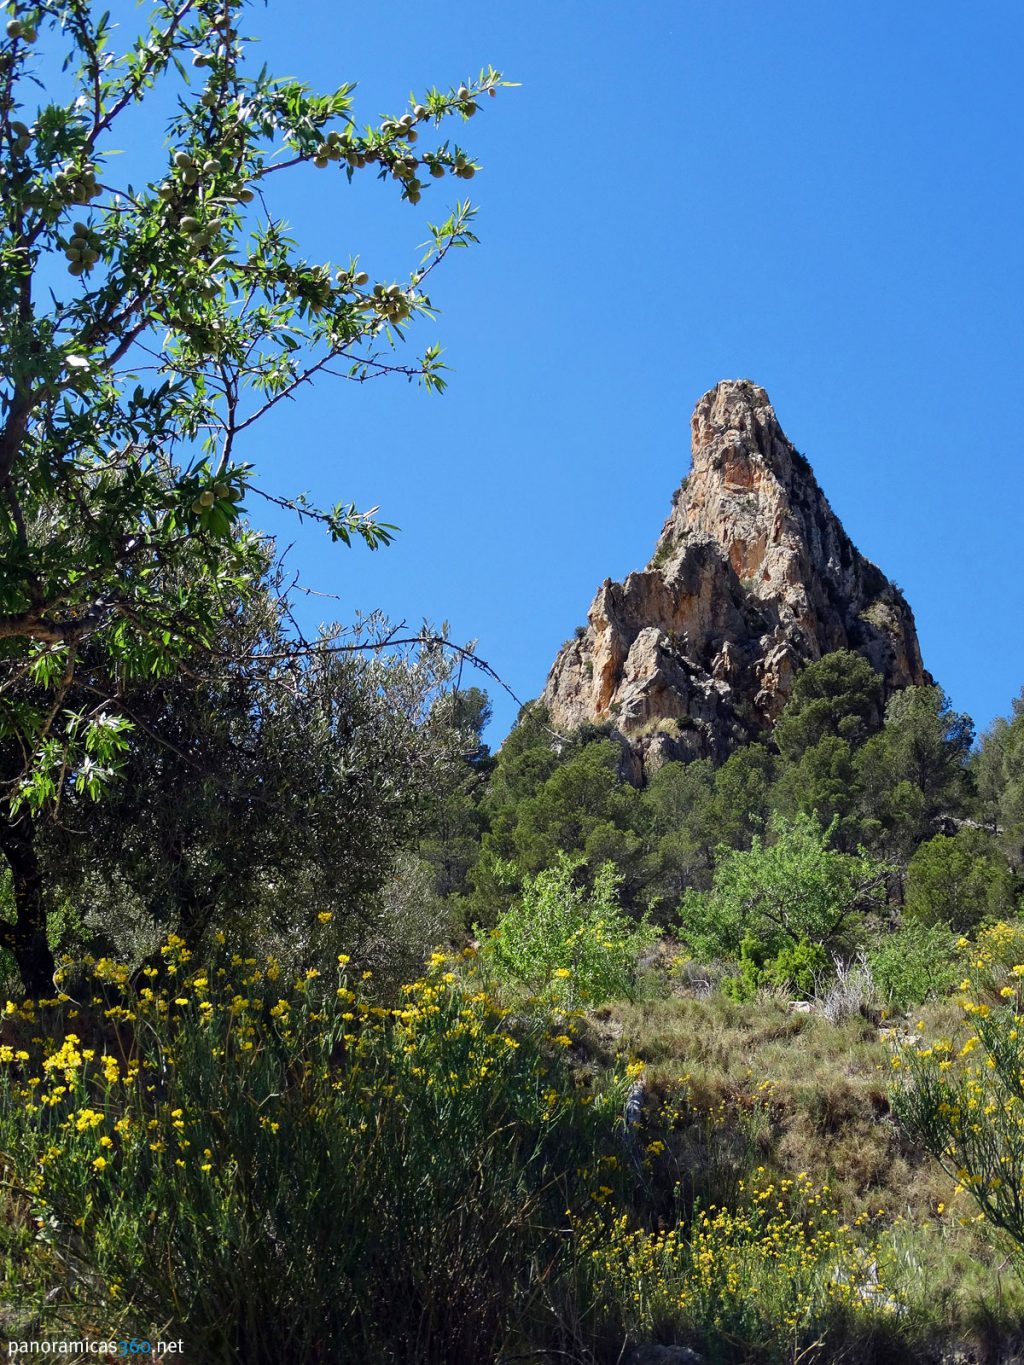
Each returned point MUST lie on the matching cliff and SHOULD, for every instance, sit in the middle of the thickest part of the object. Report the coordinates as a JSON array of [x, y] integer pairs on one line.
[[752, 578]]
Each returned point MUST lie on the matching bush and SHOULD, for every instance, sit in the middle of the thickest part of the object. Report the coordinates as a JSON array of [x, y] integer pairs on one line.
[[768, 1282], [574, 943], [848, 991], [963, 1097], [914, 964], [780, 894], [795, 967], [959, 881], [289, 1170]]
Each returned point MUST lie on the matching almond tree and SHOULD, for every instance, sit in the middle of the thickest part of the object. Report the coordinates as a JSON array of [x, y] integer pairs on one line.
[[145, 329]]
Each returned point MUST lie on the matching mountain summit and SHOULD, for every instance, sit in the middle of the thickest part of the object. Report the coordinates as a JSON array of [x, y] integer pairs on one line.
[[752, 577]]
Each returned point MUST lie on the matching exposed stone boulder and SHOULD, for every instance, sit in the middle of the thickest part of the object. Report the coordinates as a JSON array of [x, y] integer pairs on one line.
[[652, 1354], [752, 578]]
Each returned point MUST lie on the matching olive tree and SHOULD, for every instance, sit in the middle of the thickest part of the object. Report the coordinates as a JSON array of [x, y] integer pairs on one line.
[[146, 327], [265, 794]]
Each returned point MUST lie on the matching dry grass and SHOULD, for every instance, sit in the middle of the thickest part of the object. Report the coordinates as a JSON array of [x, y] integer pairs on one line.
[[732, 1087]]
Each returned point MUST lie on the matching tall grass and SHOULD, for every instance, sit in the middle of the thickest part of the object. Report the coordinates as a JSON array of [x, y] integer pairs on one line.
[[778, 1280], [291, 1172], [288, 1169]]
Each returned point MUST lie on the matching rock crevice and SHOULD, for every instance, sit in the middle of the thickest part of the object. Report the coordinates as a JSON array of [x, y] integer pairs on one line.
[[752, 578]]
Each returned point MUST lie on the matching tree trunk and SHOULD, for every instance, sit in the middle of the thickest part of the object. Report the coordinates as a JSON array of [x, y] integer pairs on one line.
[[26, 937]]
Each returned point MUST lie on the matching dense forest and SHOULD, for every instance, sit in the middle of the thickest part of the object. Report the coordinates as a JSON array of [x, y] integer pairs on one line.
[[921, 829]]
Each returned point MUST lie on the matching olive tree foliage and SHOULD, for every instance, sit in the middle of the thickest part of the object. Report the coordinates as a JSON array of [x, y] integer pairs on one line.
[[267, 794], [145, 328]]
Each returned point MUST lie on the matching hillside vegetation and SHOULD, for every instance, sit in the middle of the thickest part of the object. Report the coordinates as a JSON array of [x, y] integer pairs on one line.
[[329, 1037], [728, 1062]]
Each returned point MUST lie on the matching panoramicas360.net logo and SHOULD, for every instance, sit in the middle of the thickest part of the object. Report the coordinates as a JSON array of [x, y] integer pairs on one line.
[[99, 1350]]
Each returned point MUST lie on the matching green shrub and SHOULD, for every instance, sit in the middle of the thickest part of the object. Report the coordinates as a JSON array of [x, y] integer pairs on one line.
[[570, 941], [963, 1096], [959, 881], [796, 967], [914, 964], [794, 889], [289, 1171]]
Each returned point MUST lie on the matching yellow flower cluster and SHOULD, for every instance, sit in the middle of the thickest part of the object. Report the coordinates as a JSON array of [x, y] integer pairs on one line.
[[964, 1095], [782, 1258], [123, 1114]]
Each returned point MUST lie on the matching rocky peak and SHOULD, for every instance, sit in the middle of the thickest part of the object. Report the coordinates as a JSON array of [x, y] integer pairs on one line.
[[752, 577]]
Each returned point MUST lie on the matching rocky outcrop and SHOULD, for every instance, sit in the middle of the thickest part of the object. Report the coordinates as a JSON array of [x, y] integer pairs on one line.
[[752, 578]]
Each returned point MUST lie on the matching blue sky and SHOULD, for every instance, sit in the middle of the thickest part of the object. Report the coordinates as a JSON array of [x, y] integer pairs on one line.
[[824, 198]]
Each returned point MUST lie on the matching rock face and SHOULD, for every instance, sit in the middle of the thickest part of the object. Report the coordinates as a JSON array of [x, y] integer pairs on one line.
[[752, 578]]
